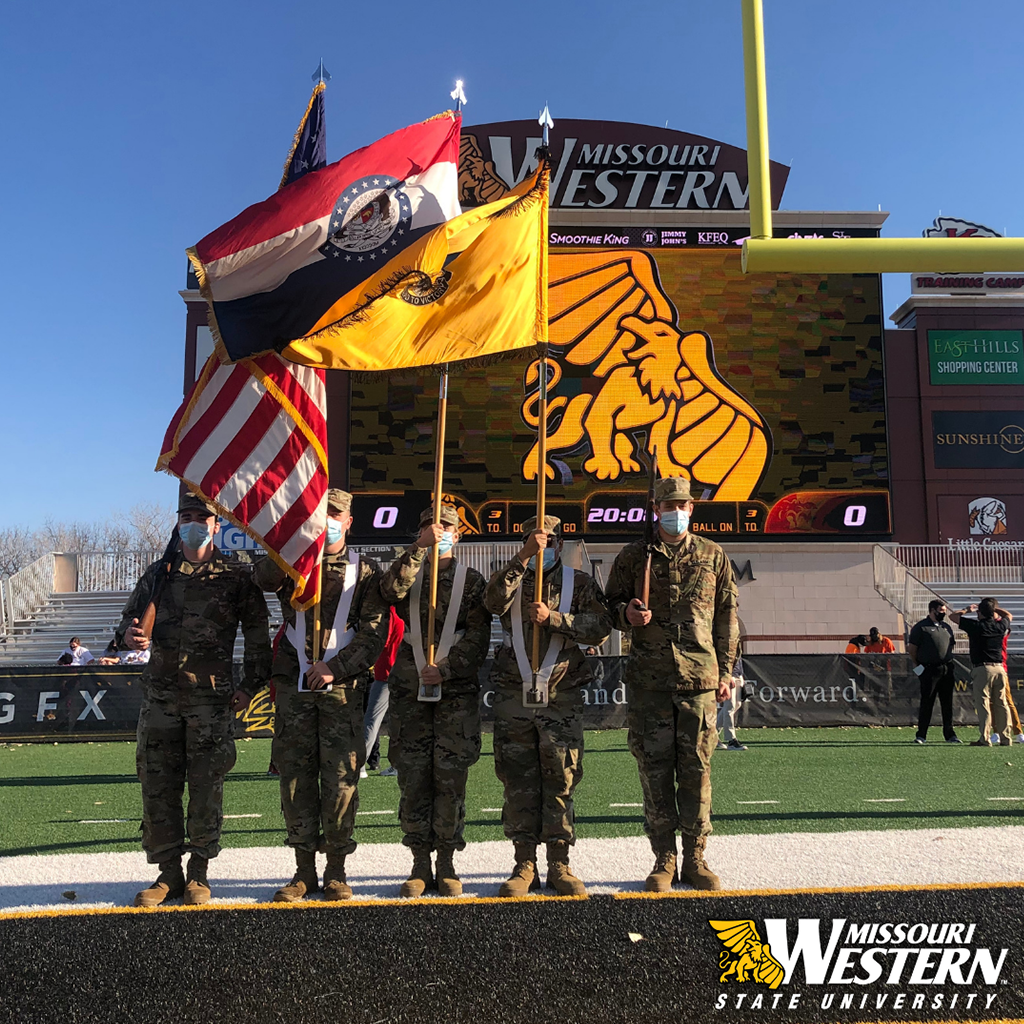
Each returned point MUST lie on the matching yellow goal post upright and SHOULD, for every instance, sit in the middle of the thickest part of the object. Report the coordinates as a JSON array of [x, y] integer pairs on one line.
[[762, 252]]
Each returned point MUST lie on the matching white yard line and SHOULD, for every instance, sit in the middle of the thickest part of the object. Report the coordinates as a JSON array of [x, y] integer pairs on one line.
[[490, 810], [744, 862], [757, 801], [375, 812], [1004, 798], [100, 821], [226, 816], [625, 805], [888, 800]]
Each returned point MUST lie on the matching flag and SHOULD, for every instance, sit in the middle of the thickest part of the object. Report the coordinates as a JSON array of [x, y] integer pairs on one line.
[[251, 439], [272, 272], [309, 148], [473, 289]]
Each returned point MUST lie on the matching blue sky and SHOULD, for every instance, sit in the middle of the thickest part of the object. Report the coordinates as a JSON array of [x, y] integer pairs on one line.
[[134, 129]]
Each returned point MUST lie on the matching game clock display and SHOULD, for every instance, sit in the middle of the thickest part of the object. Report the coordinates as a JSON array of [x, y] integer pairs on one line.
[[766, 391]]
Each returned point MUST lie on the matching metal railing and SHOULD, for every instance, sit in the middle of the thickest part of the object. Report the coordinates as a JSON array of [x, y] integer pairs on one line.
[[26, 591], [908, 594], [112, 570], [988, 561]]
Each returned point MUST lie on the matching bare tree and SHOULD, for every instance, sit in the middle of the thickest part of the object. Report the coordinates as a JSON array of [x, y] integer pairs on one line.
[[18, 548], [152, 524], [70, 537]]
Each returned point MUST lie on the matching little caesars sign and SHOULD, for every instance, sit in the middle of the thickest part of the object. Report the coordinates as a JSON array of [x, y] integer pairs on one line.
[[600, 165]]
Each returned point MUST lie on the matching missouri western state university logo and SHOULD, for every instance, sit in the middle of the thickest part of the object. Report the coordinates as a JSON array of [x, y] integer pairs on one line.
[[645, 377], [746, 957], [855, 965]]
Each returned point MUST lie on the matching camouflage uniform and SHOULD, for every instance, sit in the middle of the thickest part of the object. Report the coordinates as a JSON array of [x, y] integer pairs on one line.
[[185, 728], [538, 752], [318, 736], [674, 667], [434, 744]]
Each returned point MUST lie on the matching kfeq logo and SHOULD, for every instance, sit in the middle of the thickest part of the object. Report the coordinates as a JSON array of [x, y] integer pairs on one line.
[[859, 964]]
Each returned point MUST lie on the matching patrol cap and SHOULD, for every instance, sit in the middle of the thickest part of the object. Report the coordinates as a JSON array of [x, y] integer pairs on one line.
[[338, 500], [193, 503], [672, 488], [552, 525], [449, 516]]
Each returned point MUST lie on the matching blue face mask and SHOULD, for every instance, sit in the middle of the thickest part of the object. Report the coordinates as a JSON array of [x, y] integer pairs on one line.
[[334, 531], [194, 535], [675, 523], [446, 543], [550, 557]]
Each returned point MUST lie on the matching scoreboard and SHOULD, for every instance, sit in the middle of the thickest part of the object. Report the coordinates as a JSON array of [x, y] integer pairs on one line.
[[765, 390]]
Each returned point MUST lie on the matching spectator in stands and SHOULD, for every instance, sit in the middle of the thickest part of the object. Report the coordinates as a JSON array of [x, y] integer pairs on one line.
[[857, 644], [930, 645], [379, 698], [78, 654], [988, 634], [878, 644], [112, 656]]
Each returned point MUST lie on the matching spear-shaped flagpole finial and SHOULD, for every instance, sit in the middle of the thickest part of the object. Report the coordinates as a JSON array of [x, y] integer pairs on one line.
[[545, 122], [458, 95], [321, 74]]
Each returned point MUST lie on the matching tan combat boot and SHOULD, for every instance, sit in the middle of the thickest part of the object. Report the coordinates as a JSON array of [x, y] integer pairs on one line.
[[524, 874], [693, 869], [197, 889], [336, 886], [421, 878], [448, 883], [560, 877], [664, 872], [169, 885], [304, 881]]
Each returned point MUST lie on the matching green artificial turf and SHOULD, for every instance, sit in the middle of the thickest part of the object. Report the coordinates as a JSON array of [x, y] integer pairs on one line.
[[818, 780]]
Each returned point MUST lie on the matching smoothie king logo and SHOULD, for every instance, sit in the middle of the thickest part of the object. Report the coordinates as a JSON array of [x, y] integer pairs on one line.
[[848, 965]]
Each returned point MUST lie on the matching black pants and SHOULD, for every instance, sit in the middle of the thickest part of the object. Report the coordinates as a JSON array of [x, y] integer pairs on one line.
[[936, 680]]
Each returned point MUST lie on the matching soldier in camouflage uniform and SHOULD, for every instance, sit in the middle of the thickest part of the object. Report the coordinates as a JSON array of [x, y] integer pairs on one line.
[[680, 664], [318, 731], [434, 744], [538, 752], [186, 722]]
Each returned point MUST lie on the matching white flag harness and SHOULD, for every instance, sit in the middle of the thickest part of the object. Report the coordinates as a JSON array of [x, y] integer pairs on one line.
[[449, 635], [340, 635], [556, 642]]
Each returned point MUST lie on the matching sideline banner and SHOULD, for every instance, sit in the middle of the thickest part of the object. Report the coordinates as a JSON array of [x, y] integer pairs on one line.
[[781, 690]]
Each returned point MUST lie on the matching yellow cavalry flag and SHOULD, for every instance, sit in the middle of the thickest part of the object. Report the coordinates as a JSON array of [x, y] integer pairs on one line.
[[472, 289]]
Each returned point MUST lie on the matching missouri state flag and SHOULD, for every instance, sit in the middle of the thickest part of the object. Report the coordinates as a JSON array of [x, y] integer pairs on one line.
[[270, 274]]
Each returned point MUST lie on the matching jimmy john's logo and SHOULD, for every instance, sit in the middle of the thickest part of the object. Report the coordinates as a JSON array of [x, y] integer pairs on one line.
[[840, 964]]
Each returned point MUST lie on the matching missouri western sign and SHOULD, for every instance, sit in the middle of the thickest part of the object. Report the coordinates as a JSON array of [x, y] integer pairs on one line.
[[602, 165]]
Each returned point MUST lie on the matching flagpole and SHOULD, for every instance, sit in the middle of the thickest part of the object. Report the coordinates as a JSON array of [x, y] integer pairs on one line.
[[537, 696], [427, 693]]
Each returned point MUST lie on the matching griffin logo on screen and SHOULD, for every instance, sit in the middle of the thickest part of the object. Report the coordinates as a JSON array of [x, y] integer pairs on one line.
[[746, 958], [647, 378]]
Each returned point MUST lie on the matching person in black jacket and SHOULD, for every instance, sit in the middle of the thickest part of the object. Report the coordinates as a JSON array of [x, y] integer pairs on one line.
[[930, 645]]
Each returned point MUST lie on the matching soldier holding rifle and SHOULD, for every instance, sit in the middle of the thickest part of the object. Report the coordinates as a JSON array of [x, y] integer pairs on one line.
[[677, 598], [318, 727], [186, 610], [435, 702], [538, 741]]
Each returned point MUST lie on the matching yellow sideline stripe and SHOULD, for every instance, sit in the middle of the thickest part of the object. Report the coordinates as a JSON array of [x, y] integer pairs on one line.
[[823, 891], [432, 901], [435, 901]]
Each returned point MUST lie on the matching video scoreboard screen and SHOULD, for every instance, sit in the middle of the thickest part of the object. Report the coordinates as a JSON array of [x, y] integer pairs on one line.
[[765, 390]]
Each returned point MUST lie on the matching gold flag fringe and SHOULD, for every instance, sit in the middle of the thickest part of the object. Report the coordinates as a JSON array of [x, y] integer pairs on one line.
[[317, 89]]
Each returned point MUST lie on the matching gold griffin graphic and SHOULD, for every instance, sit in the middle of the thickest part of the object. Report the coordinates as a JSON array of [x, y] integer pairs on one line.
[[608, 312], [745, 957], [259, 715]]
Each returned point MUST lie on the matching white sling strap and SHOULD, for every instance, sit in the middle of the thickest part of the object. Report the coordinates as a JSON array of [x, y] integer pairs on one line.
[[448, 632], [556, 641], [340, 635]]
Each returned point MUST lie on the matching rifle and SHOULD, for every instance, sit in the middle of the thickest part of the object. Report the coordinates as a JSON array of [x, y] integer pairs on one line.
[[645, 590], [148, 618]]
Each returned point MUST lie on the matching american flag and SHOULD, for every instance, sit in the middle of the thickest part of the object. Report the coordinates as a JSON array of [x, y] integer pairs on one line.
[[251, 438]]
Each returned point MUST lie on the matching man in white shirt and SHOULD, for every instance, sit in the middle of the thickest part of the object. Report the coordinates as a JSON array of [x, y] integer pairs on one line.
[[79, 655]]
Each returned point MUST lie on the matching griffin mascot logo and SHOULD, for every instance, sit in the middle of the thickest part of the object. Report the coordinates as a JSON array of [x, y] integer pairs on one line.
[[745, 957], [648, 385]]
